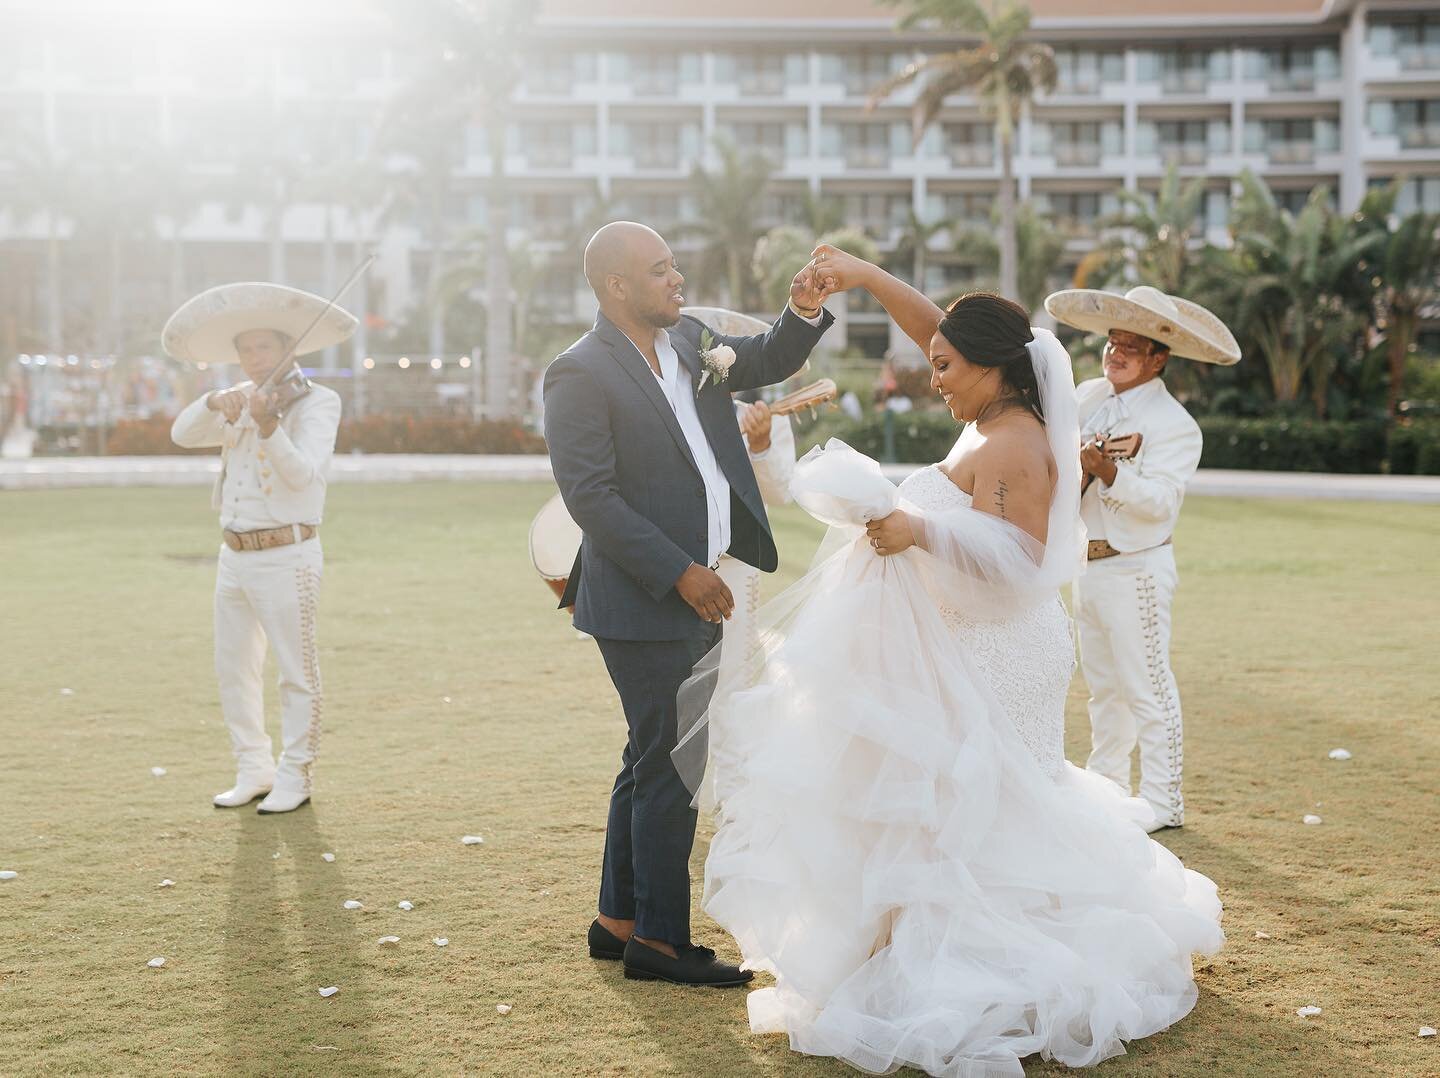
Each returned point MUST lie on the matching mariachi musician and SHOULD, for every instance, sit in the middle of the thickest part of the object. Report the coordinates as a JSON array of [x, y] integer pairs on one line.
[[276, 434], [1140, 449]]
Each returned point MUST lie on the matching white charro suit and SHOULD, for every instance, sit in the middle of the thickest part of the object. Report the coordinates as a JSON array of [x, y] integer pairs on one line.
[[270, 594], [1123, 603]]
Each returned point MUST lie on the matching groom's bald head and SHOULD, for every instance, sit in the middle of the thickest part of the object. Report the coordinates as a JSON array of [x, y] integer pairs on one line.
[[633, 274]]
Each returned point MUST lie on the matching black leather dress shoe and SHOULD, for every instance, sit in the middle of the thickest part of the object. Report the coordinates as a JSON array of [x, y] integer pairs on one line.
[[605, 944], [691, 966]]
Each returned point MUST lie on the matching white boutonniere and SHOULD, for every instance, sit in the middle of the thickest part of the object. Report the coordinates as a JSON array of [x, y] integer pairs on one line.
[[715, 360]]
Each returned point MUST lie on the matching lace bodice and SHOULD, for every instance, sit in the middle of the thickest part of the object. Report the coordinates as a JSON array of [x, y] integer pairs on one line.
[[1028, 659]]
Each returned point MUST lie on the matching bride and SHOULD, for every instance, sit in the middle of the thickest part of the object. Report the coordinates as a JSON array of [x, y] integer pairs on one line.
[[899, 840]]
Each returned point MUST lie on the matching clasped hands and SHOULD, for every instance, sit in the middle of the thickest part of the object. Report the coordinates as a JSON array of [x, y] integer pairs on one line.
[[233, 403]]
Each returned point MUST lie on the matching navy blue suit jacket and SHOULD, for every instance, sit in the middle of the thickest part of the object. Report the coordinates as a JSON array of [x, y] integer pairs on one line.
[[628, 478]]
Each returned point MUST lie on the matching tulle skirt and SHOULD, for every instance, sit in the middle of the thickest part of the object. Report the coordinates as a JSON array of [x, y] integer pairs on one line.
[[921, 890]]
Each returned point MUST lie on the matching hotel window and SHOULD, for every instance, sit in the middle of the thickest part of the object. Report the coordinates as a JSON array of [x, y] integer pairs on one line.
[[554, 74], [1077, 144], [763, 74], [1290, 142], [1418, 194], [1293, 68], [1086, 71], [1294, 200], [861, 72], [1078, 210], [877, 212], [969, 145], [555, 145], [960, 209], [1417, 123], [1184, 142], [1185, 71], [869, 145], [651, 74], [1414, 40], [656, 144], [779, 141]]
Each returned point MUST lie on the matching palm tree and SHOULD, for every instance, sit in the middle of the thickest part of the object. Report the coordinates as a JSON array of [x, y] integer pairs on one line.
[[913, 244], [783, 251], [1406, 278], [821, 213], [1039, 246], [470, 53], [1156, 245], [1003, 70], [1292, 275], [725, 218]]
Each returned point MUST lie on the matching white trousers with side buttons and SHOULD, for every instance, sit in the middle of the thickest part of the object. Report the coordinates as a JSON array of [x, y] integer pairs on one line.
[[270, 596], [1122, 610]]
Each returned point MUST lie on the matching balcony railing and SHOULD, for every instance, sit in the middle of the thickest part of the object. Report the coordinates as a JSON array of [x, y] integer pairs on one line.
[[972, 155], [1078, 85], [1291, 80], [1420, 137], [1185, 153], [1077, 153], [549, 156], [656, 84], [656, 157], [761, 83], [1419, 57], [1291, 153], [867, 156], [1185, 82]]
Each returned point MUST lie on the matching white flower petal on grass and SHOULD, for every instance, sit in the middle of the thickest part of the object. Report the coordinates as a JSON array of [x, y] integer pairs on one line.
[[158, 772], [1308, 1012], [155, 963], [407, 905], [388, 941], [8, 874], [445, 699], [67, 692], [167, 883], [472, 840], [351, 904], [503, 1008], [1427, 1031], [275, 856], [1339, 754], [440, 941], [327, 857], [1311, 819], [328, 992], [1262, 935]]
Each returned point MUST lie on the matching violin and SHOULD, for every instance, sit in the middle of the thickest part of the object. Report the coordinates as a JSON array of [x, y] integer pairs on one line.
[[284, 390]]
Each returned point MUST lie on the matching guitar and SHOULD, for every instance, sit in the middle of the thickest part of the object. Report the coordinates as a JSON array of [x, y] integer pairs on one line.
[[811, 396], [1114, 446]]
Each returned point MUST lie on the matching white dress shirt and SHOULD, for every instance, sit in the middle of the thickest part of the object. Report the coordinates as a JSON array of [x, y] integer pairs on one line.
[[675, 384]]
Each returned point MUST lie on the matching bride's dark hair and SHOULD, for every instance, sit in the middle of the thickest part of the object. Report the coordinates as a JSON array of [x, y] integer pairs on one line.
[[992, 331]]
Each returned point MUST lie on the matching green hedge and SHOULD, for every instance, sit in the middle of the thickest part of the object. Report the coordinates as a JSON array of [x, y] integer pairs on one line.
[[1415, 448], [1270, 444], [1293, 445]]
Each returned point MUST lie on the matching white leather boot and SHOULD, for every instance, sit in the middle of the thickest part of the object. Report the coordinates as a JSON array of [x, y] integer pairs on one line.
[[242, 793], [283, 801]]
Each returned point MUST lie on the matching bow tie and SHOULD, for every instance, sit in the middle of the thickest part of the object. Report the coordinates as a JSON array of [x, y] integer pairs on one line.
[[1104, 418]]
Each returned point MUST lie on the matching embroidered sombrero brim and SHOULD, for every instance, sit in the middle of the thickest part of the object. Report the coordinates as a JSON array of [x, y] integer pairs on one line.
[[1190, 331], [203, 330], [730, 323]]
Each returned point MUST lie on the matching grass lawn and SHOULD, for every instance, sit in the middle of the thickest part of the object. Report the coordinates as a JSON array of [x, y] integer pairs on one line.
[[459, 702]]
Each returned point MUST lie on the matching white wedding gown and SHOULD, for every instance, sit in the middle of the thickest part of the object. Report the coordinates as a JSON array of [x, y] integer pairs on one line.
[[899, 841]]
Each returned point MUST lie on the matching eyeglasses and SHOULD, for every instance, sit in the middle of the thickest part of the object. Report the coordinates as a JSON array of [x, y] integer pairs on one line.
[[1136, 348]]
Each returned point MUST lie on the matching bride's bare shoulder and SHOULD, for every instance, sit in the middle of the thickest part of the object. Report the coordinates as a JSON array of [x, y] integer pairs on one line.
[[1016, 440]]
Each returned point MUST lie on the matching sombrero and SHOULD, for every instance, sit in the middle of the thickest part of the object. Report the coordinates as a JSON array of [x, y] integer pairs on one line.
[[1187, 328], [203, 330]]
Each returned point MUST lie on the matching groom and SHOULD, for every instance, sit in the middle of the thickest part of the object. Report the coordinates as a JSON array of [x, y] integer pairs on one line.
[[651, 465]]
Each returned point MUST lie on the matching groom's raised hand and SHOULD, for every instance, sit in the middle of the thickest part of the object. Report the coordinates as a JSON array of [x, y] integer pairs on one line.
[[706, 593]]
